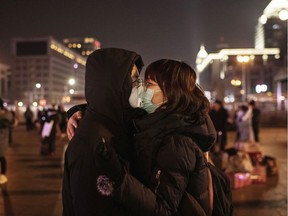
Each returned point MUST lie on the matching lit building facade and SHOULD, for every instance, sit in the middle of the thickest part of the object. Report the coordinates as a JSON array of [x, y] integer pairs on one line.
[[83, 46], [260, 73], [41, 71], [5, 81], [271, 30], [233, 74]]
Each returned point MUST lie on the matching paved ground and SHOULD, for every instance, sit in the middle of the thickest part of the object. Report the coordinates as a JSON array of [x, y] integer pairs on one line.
[[268, 199], [35, 181]]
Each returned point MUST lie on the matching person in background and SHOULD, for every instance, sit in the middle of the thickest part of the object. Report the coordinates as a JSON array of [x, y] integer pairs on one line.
[[62, 119], [219, 116], [52, 115], [6, 120], [13, 124], [28, 114], [255, 119], [244, 127]]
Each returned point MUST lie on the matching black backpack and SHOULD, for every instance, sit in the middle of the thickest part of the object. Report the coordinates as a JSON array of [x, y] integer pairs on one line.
[[222, 194]]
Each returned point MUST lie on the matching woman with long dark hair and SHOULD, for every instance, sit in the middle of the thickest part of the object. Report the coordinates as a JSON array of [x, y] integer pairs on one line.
[[170, 176]]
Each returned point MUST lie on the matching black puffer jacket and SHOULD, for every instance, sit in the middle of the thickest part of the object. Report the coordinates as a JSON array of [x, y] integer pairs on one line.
[[169, 160], [107, 89]]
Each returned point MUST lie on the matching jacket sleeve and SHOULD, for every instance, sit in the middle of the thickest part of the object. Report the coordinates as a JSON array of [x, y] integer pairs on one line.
[[72, 110], [173, 164], [78, 190]]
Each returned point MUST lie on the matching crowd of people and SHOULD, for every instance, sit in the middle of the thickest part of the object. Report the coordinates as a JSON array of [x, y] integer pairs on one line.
[[246, 122], [9, 120]]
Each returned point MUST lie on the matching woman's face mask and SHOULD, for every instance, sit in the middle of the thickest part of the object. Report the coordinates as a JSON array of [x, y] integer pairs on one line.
[[146, 97]]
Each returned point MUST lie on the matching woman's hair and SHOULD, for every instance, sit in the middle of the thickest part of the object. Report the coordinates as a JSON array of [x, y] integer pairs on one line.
[[177, 80]]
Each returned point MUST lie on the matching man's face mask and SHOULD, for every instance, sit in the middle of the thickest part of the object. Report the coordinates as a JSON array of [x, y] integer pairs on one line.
[[135, 96]]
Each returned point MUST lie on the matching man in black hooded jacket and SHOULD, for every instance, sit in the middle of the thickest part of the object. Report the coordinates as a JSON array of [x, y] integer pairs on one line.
[[108, 86]]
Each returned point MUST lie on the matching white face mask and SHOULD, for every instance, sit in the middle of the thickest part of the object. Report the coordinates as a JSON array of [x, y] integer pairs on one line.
[[135, 99]]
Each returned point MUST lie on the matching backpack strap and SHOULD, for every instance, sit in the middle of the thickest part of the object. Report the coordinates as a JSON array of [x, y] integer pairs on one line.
[[210, 186]]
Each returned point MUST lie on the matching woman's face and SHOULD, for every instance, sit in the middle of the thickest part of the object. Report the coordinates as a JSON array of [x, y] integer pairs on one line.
[[158, 96]]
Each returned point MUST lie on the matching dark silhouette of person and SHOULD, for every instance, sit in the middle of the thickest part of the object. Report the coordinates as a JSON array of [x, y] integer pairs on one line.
[[28, 114], [219, 116], [255, 119]]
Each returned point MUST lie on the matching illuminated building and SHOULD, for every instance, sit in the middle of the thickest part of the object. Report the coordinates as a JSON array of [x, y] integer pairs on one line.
[[83, 46], [42, 68], [271, 30], [220, 73], [5, 74], [260, 73]]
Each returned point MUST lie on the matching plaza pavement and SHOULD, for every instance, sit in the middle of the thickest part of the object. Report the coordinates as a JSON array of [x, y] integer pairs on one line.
[[34, 186]]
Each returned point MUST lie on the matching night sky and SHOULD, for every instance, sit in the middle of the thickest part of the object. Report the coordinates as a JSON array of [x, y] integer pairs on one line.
[[153, 28]]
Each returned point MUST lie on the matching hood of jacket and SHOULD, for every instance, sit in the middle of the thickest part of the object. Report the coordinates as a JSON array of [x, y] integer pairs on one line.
[[108, 83], [161, 124]]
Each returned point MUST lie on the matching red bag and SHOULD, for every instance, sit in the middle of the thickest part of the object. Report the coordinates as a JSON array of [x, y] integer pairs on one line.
[[239, 179], [259, 175]]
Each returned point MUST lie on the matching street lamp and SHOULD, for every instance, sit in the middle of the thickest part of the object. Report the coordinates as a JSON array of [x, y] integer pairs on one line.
[[39, 86], [243, 60], [71, 81]]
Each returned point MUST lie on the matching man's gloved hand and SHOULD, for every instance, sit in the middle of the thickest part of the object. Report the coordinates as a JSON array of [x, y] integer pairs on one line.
[[111, 166]]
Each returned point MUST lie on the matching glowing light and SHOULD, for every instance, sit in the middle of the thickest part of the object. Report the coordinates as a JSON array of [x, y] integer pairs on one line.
[[88, 40], [229, 99], [243, 59], [222, 75], [261, 88], [71, 91], [35, 104], [202, 52], [236, 82], [42, 102], [269, 94], [78, 46], [277, 56], [66, 99], [242, 91], [75, 66], [265, 57], [282, 98], [38, 85], [283, 15], [71, 81], [252, 57], [263, 19], [20, 104]]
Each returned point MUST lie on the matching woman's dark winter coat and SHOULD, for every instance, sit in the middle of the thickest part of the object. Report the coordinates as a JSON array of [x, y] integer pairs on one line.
[[170, 163], [107, 89]]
